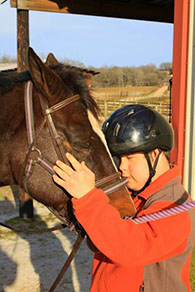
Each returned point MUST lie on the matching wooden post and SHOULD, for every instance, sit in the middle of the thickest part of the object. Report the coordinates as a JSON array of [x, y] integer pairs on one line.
[[105, 108], [23, 39], [25, 201]]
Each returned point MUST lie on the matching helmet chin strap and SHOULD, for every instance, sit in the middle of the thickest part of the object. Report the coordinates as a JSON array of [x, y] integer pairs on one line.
[[152, 171]]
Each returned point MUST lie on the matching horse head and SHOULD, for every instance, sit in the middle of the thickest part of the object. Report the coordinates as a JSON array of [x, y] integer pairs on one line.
[[65, 119]]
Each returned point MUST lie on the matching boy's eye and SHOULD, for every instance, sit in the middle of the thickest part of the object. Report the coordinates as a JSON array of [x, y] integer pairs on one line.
[[129, 157]]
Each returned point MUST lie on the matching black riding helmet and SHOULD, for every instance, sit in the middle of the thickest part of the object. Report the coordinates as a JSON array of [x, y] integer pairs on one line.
[[137, 128]]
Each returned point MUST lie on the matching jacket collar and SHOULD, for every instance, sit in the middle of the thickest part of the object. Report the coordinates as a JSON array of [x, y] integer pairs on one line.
[[160, 182]]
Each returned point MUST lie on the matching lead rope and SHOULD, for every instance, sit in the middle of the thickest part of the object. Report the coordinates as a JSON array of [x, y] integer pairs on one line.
[[162, 214]]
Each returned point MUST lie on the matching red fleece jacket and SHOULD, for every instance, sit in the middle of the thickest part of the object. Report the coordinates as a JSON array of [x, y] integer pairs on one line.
[[156, 253]]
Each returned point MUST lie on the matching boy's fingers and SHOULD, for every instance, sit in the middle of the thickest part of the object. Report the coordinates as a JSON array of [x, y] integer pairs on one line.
[[60, 173], [58, 180], [75, 163], [61, 165], [85, 166]]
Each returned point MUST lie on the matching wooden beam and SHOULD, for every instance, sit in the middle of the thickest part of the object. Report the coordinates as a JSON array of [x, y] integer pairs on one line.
[[99, 8], [39, 5]]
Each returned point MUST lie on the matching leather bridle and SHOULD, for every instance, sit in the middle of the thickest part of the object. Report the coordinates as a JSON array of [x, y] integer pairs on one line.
[[56, 139]]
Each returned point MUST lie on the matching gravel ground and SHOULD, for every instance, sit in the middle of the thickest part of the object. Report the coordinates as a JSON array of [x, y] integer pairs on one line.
[[31, 262]]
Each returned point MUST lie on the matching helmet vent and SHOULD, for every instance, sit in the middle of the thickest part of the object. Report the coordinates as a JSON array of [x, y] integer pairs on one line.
[[106, 126], [131, 112], [153, 133], [116, 129]]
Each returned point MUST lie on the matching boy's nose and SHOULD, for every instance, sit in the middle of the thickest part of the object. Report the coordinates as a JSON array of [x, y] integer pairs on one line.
[[123, 164]]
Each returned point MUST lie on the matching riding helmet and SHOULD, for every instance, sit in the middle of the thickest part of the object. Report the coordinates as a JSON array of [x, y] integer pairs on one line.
[[137, 128]]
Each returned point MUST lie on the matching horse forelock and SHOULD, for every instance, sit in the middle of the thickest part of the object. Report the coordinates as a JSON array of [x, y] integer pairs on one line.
[[73, 77]]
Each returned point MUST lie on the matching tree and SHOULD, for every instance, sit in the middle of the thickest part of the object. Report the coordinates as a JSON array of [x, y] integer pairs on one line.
[[167, 66], [7, 59], [73, 63]]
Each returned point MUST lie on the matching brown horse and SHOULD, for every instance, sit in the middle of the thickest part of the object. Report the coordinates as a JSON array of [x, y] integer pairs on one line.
[[64, 118]]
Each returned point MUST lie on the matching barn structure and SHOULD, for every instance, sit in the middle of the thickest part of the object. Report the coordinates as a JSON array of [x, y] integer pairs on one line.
[[179, 12]]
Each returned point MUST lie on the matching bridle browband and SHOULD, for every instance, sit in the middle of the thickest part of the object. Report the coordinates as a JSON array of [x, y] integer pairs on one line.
[[56, 139]]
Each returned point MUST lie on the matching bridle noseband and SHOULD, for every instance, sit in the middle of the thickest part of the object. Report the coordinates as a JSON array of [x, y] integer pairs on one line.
[[56, 139]]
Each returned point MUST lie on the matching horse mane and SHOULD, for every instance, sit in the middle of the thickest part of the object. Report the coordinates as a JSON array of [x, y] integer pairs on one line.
[[9, 79], [72, 76]]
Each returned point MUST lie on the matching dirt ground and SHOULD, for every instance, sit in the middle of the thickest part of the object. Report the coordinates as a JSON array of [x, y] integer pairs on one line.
[[31, 262]]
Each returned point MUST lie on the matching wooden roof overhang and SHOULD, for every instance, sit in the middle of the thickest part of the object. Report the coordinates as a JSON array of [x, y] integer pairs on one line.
[[152, 10]]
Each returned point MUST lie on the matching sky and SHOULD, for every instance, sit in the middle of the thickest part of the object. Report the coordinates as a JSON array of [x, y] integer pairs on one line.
[[94, 41]]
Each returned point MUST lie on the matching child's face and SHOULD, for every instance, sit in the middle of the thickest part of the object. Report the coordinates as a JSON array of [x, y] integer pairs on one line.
[[135, 168]]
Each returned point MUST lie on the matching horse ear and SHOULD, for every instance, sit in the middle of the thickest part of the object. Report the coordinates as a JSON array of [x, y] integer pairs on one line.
[[51, 60], [44, 78]]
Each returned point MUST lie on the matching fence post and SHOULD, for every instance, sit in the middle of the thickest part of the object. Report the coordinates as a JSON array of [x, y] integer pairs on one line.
[[105, 108]]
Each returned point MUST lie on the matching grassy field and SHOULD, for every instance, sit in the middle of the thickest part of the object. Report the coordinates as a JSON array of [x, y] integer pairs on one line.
[[130, 89], [112, 92]]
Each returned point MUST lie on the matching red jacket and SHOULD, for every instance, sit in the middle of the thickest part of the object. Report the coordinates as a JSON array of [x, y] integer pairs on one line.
[[156, 253]]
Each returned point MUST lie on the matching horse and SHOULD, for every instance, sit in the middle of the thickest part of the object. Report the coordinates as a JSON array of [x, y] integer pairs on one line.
[[61, 116]]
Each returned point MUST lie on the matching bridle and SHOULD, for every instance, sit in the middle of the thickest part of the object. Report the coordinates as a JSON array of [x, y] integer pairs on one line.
[[47, 111]]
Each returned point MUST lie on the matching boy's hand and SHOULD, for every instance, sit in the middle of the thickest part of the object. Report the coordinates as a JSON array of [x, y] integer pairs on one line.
[[77, 181]]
